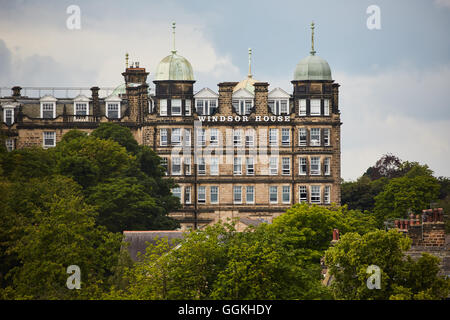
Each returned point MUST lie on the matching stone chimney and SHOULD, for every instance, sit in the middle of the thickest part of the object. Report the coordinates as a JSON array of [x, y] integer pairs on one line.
[[261, 96], [95, 102], [137, 91], [226, 97], [16, 91]]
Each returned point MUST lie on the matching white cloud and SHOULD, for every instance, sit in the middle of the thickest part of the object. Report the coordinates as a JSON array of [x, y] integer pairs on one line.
[[394, 112]]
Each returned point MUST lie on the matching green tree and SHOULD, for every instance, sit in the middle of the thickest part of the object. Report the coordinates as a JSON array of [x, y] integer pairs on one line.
[[56, 231], [125, 204], [405, 194], [117, 133], [401, 277]]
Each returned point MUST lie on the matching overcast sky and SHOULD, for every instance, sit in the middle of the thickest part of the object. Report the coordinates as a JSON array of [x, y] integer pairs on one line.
[[395, 82]]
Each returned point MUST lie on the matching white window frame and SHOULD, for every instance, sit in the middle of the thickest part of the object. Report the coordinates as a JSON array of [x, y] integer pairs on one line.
[[285, 143], [211, 188], [326, 137], [237, 190], [187, 191], [242, 107], [113, 103], [273, 166], [79, 116], [326, 105], [250, 138], [176, 103], [285, 166], [11, 109], [315, 193], [276, 106], [187, 107], [201, 166], [214, 132], [315, 107], [47, 133], [163, 107], [237, 137], [237, 166], [305, 191], [250, 166], [327, 166], [314, 142], [284, 192], [206, 106], [201, 137], [326, 194], [273, 190], [302, 132], [273, 137], [176, 161], [187, 166], [187, 136], [214, 166], [250, 190], [175, 137], [47, 104], [314, 161], [302, 107], [201, 192], [302, 163], [163, 132]]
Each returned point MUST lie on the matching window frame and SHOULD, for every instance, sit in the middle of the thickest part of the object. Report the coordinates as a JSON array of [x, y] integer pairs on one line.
[[285, 171], [211, 194], [271, 188], [314, 172], [315, 107], [178, 103], [235, 188], [283, 193], [247, 193], [201, 200], [53, 133], [163, 107], [316, 194]]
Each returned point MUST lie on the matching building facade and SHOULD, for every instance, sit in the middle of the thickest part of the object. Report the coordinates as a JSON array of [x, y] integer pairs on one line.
[[245, 150]]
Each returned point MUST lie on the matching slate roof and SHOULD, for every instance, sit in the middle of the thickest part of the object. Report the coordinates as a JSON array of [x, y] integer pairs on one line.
[[138, 239]]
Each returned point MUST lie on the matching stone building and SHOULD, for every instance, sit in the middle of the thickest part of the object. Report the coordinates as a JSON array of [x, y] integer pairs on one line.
[[245, 150]]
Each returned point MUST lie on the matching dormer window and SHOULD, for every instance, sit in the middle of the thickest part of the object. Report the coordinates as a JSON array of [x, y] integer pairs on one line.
[[48, 107], [205, 106], [206, 102], [8, 115], [279, 106], [242, 107], [278, 101], [81, 108], [113, 107]]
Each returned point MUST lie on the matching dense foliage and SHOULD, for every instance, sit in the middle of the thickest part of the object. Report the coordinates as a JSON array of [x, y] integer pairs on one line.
[[68, 206], [401, 277], [393, 188]]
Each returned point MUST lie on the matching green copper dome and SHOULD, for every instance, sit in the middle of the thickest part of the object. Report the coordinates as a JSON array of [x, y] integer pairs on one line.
[[312, 68], [119, 90], [174, 67]]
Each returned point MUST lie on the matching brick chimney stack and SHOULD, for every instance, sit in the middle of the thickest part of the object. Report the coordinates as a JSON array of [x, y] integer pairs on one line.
[[226, 97], [95, 102]]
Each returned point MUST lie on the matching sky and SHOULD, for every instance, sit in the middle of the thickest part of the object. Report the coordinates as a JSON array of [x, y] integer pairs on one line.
[[394, 81]]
